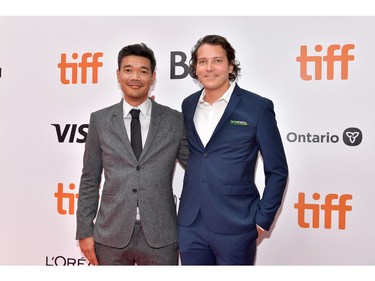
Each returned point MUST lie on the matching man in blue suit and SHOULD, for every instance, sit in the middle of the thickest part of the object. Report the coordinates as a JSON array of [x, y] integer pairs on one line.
[[221, 213]]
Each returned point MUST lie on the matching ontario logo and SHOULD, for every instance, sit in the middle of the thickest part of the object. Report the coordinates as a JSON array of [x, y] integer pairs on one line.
[[351, 136]]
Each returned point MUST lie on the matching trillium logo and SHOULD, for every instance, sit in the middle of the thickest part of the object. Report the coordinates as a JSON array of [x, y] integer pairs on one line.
[[352, 136]]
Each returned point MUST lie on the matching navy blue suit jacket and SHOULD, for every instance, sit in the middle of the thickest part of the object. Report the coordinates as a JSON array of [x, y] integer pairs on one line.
[[219, 178]]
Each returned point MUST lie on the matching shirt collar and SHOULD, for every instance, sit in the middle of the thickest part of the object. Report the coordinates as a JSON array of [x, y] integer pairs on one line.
[[145, 108], [225, 97]]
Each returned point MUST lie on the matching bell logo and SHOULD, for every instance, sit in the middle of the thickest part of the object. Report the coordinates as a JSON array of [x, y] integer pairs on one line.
[[83, 65], [315, 62], [327, 208]]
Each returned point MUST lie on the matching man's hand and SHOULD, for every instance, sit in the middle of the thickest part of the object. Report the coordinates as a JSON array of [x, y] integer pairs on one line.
[[87, 248]]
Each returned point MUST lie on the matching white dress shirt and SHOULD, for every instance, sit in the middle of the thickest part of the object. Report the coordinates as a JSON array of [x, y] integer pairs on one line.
[[207, 116]]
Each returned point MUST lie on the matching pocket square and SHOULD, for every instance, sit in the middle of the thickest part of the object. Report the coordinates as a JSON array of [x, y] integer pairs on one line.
[[238, 123]]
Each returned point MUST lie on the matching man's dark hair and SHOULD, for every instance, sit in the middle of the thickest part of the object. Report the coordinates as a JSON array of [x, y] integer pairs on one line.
[[140, 50]]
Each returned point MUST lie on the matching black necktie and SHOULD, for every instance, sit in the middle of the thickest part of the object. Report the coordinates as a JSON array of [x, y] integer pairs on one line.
[[135, 132]]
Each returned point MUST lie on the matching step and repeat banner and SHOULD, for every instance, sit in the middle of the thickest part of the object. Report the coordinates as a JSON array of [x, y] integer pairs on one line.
[[319, 72]]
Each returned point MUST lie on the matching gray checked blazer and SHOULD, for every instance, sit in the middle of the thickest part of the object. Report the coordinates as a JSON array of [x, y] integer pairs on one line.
[[110, 218]]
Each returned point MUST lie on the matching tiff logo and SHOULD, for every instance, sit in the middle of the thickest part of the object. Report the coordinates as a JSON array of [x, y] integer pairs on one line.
[[87, 62], [327, 208], [68, 197], [315, 62]]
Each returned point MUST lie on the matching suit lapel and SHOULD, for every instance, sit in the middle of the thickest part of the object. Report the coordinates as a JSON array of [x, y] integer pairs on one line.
[[233, 102], [189, 117], [156, 114], [118, 119]]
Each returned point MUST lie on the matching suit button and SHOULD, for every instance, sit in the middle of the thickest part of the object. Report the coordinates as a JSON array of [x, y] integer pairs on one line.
[[205, 155], [138, 168], [134, 190]]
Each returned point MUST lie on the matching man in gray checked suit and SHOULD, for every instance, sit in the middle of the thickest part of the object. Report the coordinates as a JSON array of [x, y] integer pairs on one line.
[[134, 221]]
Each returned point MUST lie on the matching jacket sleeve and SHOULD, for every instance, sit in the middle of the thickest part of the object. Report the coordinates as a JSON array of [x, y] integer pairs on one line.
[[275, 166], [184, 149], [88, 197]]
